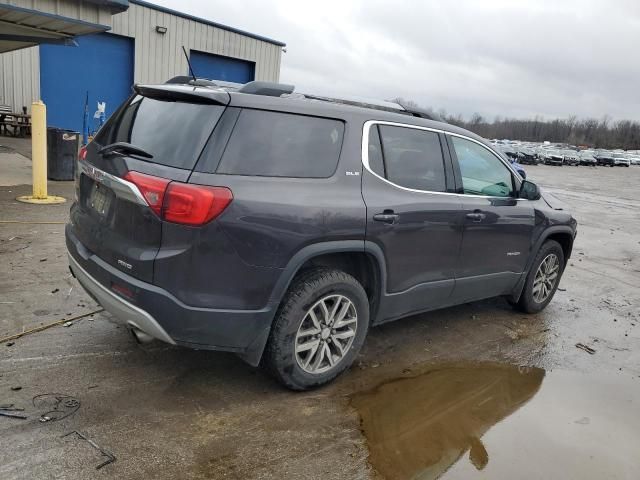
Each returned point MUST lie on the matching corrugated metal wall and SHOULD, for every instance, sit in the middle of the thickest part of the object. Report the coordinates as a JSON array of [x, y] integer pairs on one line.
[[157, 57], [20, 78], [89, 12]]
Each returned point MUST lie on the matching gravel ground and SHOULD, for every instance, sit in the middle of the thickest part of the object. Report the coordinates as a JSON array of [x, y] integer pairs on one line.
[[168, 412]]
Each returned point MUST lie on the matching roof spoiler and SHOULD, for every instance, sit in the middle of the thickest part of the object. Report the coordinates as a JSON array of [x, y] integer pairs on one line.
[[183, 93], [199, 82], [269, 89]]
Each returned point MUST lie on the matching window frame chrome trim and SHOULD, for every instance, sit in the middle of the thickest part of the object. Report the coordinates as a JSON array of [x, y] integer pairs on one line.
[[365, 157]]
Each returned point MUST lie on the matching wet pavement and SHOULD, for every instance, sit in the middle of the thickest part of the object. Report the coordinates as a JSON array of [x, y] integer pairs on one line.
[[168, 412]]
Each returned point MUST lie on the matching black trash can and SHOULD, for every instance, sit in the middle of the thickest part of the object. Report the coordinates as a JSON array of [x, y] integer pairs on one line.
[[62, 153]]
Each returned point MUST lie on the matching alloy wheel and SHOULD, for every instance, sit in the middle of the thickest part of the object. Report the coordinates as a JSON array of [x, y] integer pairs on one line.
[[326, 334], [546, 278]]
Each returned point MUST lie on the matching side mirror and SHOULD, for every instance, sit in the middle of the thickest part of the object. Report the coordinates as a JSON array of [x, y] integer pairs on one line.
[[529, 190]]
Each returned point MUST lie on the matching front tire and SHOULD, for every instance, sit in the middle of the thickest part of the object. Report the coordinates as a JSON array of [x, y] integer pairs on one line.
[[543, 278], [318, 330]]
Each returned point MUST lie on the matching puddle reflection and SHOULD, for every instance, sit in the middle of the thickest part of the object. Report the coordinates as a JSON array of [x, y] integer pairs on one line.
[[418, 427]]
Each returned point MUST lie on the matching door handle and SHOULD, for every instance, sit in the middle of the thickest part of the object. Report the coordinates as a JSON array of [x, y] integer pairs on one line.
[[386, 217], [476, 216]]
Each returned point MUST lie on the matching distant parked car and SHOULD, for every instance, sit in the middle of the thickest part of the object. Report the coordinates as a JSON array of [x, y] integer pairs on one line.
[[519, 168], [620, 160], [509, 152], [540, 151], [553, 157], [527, 156], [605, 158], [571, 157], [511, 155], [588, 159], [634, 159]]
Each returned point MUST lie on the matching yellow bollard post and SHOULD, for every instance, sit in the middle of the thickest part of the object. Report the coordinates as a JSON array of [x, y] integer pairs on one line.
[[39, 157]]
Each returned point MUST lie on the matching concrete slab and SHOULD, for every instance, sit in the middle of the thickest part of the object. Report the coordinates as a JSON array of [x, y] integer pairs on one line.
[[17, 144], [15, 169]]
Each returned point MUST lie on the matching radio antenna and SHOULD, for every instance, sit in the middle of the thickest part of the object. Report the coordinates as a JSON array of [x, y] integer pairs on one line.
[[189, 63]]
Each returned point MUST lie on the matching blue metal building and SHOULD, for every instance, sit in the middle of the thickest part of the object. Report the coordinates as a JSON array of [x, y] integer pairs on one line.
[[121, 43]]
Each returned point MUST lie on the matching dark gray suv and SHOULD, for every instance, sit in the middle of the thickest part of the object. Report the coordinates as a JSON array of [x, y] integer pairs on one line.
[[282, 226]]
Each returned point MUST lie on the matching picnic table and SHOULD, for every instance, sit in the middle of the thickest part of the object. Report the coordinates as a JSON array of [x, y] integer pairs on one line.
[[20, 123]]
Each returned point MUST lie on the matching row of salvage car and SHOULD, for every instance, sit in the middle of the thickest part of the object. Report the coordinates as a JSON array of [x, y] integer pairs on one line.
[[527, 153]]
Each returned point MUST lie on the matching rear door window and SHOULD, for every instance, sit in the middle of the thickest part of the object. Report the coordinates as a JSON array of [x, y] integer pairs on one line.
[[412, 158], [275, 144], [174, 132], [376, 162]]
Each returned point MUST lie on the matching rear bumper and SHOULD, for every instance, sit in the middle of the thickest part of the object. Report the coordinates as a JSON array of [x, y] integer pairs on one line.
[[117, 306], [159, 314]]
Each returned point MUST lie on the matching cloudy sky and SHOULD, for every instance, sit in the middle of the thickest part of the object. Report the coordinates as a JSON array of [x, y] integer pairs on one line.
[[496, 57]]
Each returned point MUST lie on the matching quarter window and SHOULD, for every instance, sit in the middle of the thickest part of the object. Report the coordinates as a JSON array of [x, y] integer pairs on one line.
[[482, 172], [274, 144], [412, 158]]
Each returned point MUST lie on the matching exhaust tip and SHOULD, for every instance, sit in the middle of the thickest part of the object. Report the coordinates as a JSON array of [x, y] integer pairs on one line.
[[140, 336]]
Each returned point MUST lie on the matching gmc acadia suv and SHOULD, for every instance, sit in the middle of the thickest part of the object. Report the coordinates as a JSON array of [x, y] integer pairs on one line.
[[282, 226]]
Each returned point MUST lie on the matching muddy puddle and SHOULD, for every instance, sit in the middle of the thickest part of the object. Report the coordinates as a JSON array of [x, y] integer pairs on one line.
[[500, 421]]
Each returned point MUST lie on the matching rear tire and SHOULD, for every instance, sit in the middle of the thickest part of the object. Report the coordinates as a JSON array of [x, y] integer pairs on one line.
[[310, 343], [543, 278]]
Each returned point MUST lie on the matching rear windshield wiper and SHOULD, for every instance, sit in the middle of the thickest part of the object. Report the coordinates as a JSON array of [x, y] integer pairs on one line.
[[124, 147]]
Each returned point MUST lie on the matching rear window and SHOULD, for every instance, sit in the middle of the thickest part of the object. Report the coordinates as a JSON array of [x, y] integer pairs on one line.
[[173, 132], [274, 144]]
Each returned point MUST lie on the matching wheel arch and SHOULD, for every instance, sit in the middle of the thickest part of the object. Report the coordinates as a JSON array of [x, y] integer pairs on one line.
[[565, 239], [562, 234], [369, 256], [361, 259]]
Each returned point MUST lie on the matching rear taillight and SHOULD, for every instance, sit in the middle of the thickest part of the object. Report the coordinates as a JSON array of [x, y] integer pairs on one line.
[[179, 202], [152, 188], [82, 154], [194, 204]]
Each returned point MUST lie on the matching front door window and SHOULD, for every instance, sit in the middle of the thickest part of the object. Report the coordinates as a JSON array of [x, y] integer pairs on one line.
[[482, 172]]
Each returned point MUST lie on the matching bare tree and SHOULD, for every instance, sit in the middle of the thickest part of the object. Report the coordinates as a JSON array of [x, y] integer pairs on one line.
[[603, 133]]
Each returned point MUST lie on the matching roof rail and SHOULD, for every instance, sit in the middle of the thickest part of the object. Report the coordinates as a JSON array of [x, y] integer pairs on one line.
[[422, 113], [384, 105], [270, 89], [358, 102]]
